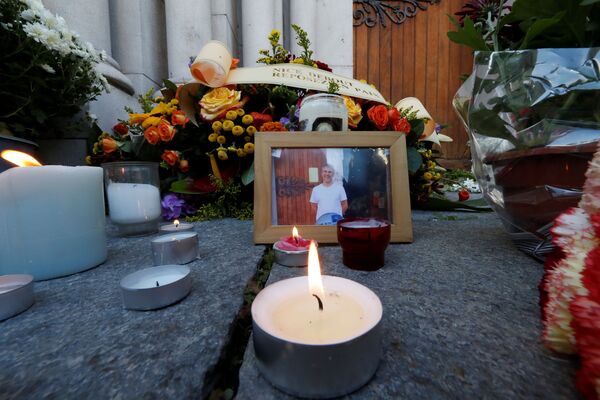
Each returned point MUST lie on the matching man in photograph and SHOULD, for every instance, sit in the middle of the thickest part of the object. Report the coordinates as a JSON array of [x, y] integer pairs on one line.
[[328, 200]]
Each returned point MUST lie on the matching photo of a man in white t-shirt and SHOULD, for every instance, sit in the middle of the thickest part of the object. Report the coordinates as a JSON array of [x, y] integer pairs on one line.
[[328, 200]]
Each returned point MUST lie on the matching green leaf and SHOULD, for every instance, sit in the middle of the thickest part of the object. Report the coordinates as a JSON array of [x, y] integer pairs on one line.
[[539, 27], [170, 85], [468, 35], [588, 2], [414, 159], [439, 203], [248, 175], [183, 186], [126, 147]]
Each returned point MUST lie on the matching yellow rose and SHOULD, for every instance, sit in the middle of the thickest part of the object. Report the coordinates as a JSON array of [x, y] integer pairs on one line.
[[354, 112], [219, 100]]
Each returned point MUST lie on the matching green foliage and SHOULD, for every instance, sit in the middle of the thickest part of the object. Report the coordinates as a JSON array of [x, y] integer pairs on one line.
[[47, 72], [146, 100], [278, 54], [227, 203], [304, 43], [333, 87], [533, 24]]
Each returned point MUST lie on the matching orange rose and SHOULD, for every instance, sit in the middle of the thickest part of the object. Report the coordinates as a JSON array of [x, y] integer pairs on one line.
[[170, 157], [151, 134], [402, 125], [178, 118], [166, 131], [379, 116], [393, 115], [109, 145], [272, 127], [184, 166]]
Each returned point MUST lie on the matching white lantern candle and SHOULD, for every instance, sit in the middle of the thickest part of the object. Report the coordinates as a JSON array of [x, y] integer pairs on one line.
[[132, 203], [51, 220], [323, 112], [315, 342]]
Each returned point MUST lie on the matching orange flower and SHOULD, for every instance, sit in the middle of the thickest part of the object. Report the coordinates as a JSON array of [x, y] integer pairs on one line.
[[184, 166], [166, 131], [258, 119], [109, 145], [272, 127], [151, 134], [379, 116], [402, 125], [170, 157], [178, 118]]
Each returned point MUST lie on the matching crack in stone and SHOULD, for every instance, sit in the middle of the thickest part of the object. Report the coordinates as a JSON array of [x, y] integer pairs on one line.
[[222, 380]]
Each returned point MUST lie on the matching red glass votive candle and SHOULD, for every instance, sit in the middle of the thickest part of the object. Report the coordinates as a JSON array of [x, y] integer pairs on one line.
[[363, 242]]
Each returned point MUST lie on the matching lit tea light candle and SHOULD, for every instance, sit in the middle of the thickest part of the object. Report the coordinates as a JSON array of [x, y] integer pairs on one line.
[[316, 336], [176, 226], [175, 248], [292, 251], [16, 294], [155, 287]]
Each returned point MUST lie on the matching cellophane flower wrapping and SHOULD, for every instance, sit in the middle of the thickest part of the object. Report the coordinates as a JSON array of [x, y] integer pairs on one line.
[[533, 118]]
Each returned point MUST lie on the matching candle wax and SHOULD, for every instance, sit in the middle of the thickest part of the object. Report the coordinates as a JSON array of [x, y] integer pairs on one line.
[[10, 287], [298, 318], [131, 203], [149, 281], [171, 237]]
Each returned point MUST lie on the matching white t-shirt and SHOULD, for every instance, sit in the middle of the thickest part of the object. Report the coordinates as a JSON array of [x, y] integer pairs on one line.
[[328, 198]]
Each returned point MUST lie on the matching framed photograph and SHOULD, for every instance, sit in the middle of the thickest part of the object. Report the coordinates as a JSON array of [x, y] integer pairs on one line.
[[312, 179]]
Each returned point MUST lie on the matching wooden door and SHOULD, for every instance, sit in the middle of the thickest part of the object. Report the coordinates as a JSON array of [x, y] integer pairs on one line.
[[293, 185], [416, 58]]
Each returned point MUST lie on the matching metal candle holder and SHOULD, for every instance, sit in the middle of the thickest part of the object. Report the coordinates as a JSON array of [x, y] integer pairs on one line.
[[175, 248]]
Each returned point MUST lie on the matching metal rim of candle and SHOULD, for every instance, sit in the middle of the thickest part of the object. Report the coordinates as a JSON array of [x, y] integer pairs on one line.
[[276, 247], [17, 299], [142, 272]]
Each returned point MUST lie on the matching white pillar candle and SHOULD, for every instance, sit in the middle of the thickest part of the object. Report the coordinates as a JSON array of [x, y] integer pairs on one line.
[[132, 203], [51, 220]]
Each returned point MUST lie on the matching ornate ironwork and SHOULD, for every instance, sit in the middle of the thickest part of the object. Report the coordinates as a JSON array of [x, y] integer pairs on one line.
[[290, 186], [373, 11]]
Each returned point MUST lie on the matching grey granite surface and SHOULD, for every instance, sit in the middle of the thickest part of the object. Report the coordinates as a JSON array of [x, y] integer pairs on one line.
[[461, 317], [77, 341]]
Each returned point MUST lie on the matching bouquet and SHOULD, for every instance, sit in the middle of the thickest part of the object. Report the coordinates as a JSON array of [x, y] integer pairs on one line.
[[198, 131], [48, 72]]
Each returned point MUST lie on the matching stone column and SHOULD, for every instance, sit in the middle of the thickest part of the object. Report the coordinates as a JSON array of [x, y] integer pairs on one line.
[[91, 20], [138, 41], [224, 21], [259, 18], [329, 27], [188, 25]]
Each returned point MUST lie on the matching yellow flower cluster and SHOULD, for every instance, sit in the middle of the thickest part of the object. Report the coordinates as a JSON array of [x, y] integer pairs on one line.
[[155, 115], [233, 134], [430, 167]]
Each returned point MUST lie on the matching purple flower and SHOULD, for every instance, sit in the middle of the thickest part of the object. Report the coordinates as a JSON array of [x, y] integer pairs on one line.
[[438, 128], [174, 207]]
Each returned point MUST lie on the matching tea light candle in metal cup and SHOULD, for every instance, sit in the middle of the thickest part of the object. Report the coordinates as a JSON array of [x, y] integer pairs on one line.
[[363, 242], [155, 287], [16, 294], [290, 251], [176, 226], [317, 342], [175, 248]]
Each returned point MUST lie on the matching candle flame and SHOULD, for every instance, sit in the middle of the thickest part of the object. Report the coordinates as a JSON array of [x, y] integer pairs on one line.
[[315, 282], [295, 233], [19, 158], [176, 222]]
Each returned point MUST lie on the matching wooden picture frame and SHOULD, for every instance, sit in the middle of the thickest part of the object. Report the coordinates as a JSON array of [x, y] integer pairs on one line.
[[266, 142]]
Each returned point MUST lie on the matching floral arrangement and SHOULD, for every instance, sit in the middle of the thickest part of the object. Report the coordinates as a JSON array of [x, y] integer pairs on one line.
[[214, 134], [48, 72], [570, 290]]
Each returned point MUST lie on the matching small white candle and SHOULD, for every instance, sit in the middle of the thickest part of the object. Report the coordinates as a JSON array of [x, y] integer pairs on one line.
[[131, 203], [155, 287], [177, 226], [323, 112], [16, 294], [161, 276]]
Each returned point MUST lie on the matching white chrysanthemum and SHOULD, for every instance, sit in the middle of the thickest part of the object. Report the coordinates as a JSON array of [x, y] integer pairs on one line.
[[29, 15], [37, 31], [35, 5], [572, 231], [590, 201], [48, 68]]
